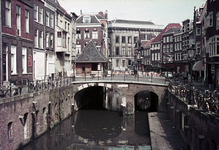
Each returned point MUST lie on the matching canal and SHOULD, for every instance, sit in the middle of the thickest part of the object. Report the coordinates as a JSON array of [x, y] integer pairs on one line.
[[101, 129]]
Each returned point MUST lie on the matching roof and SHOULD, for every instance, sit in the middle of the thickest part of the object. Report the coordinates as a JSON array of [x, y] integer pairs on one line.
[[149, 42], [91, 54], [168, 27], [173, 30], [94, 19], [132, 22]]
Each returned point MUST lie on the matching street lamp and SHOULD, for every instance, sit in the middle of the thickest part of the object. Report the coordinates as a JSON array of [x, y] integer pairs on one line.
[[191, 54], [74, 67]]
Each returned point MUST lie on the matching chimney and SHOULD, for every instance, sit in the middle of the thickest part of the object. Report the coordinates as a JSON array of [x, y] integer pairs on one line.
[[80, 12], [101, 13], [106, 15]]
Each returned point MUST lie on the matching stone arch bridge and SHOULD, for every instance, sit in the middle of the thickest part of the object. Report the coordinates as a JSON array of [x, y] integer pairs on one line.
[[127, 91]]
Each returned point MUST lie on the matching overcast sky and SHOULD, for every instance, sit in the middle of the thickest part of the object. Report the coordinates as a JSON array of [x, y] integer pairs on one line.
[[160, 12]]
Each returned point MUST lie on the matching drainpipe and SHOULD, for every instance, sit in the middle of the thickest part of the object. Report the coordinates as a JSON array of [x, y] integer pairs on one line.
[[1, 74]]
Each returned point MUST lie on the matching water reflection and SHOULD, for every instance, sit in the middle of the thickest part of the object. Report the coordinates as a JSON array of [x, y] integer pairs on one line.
[[97, 130]]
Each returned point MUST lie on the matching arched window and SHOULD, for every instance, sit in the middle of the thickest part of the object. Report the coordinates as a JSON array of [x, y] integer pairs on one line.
[[10, 130]]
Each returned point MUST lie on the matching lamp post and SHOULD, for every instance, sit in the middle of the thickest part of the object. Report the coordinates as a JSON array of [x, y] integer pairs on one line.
[[74, 67], [191, 54]]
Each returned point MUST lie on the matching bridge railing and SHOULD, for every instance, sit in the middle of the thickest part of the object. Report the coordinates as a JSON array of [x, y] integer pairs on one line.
[[24, 86], [203, 99], [152, 77]]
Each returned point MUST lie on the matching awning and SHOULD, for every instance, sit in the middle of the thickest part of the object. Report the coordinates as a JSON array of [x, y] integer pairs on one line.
[[198, 66]]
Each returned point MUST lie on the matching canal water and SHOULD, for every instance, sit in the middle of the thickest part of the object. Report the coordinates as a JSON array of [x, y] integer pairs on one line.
[[97, 130]]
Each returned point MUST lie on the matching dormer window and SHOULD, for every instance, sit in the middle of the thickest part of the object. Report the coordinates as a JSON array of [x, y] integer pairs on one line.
[[86, 19]]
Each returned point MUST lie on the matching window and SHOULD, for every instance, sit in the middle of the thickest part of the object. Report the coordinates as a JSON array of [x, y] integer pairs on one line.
[[129, 39], [47, 18], [171, 38], [10, 131], [117, 39], [13, 60], [8, 13], [123, 39], [86, 35], [123, 63], [40, 15], [36, 38], [86, 19], [164, 49], [41, 39], [78, 34], [158, 56], [117, 51], [64, 39], [24, 60], [51, 20], [51, 41], [198, 31], [47, 39], [167, 38], [35, 12], [171, 47], [155, 56], [129, 51], [217, 21], [152, 56], [27, 21], [117, 63], [78, 50], [211, 19], [164, 39], [168, 49], [135, 39], [18, 19], [68, 44], [95, 35], [123, 51], [59, 38]]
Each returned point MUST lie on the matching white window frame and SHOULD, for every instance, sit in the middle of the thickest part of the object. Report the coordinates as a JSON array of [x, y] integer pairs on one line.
[[24, 60], [59, 38], [78, 35], [51, 41], [152, 55], [40, 39], [51, 20], [27, 21], [129, 51], [95, 34], [36, 43], [123, 51], [167, 39], [217, 21], [78, 50], [8, 13], [86, 35], [35, 13], [47, 18], [13, 59], [47, 39], [40, 17], [18, 19]]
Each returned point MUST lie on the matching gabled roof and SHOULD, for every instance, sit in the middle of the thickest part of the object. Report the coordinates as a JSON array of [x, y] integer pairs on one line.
[[94, 19], [91, 54], [168, 27]]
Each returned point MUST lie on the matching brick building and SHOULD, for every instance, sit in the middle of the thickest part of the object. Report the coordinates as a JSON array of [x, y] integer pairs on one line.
[[17, 40]]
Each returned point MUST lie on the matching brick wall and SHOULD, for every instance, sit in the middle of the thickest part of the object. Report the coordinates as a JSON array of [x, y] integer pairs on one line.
[[23, 118], [200, 130]]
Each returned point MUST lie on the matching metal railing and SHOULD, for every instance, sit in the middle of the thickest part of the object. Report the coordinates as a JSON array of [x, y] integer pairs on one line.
[[24, 86], [203, 99]]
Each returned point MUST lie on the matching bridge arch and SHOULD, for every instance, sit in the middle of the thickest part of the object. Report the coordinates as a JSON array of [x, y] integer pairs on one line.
[[81, 98]]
